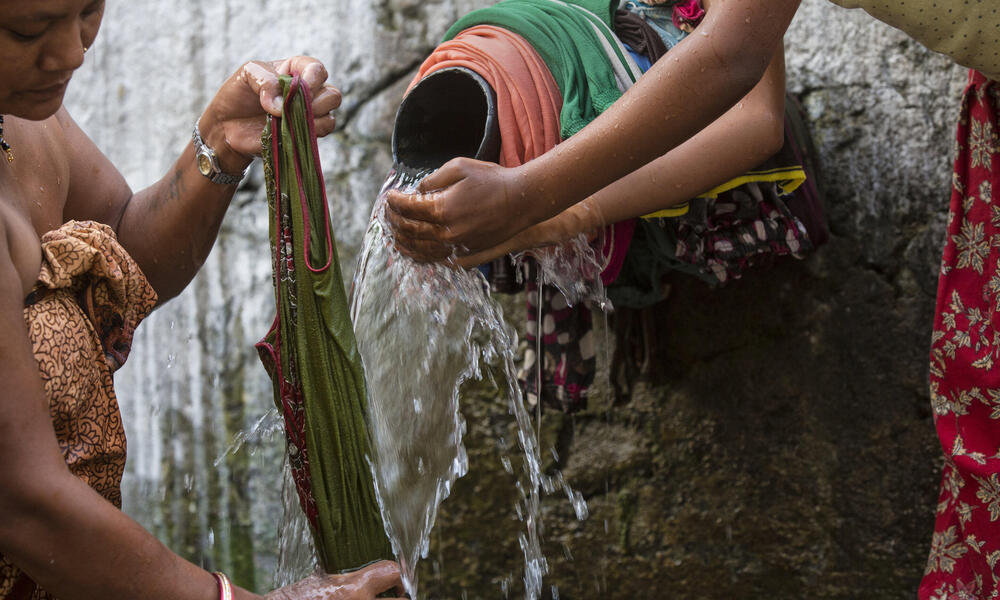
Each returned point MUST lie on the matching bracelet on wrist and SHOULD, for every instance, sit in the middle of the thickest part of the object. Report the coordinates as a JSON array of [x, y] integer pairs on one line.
[[225, 586]]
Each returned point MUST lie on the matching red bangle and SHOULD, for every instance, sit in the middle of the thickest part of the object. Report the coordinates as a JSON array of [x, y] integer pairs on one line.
[[225, 587]]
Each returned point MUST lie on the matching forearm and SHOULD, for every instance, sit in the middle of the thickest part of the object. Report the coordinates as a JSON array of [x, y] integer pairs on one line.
[[709, 159], [735, 143], [701, 78], [170, 227], [65, 536], [76, 545]]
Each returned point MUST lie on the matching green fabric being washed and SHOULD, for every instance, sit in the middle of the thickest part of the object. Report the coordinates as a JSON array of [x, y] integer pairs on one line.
[[565, 38], [318, 373]]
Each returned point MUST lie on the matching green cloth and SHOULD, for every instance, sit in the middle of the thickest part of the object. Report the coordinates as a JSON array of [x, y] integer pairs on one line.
[[565, 37], [318, 373]]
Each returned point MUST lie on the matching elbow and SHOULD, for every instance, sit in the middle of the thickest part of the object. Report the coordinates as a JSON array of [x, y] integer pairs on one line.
[[24, 502], [773, 138], [120, 218], [765, 127], [745, 66]]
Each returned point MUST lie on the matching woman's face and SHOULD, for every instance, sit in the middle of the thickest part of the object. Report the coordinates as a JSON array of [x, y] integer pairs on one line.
[[41, 45]]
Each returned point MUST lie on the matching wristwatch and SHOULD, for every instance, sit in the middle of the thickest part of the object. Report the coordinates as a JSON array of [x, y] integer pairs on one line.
[[208, 163]]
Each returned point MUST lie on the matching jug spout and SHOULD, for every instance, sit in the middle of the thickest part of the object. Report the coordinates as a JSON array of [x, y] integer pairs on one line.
[[450, 113]]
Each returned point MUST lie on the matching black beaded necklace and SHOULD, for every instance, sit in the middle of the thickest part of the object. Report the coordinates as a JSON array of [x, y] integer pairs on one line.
[[4, 145]]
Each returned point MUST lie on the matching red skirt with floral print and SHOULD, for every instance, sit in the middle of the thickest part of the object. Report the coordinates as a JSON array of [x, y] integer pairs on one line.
[[964, 562]]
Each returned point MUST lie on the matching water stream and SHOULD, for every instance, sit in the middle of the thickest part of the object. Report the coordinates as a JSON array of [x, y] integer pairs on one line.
[[423, 330]]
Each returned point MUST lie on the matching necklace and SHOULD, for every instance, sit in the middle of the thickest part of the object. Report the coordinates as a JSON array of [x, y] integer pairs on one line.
[[4, 145]]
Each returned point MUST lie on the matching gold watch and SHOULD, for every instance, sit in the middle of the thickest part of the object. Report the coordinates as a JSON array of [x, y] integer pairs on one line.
[[208, 163]]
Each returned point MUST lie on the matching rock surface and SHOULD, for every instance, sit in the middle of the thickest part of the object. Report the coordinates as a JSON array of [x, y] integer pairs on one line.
[[786, 449]]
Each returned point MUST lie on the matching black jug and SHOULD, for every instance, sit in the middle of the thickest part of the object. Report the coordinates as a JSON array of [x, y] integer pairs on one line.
[[450, 113]]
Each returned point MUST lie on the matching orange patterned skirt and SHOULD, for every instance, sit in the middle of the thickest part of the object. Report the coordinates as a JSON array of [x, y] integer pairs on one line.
[[81, 315]]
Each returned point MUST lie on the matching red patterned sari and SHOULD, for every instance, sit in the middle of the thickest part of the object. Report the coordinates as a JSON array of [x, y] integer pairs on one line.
[[964, 562]]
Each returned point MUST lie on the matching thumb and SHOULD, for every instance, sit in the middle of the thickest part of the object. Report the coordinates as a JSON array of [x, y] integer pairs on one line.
[[263, 81], [451, 173]]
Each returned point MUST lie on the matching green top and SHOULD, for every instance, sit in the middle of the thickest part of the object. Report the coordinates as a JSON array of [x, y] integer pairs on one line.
[[967, 31]]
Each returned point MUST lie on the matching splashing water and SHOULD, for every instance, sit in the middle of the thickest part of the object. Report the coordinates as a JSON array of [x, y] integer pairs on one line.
[[423, 330]]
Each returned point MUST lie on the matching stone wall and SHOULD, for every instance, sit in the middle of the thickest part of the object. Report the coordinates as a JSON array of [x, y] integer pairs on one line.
[[784, 448]]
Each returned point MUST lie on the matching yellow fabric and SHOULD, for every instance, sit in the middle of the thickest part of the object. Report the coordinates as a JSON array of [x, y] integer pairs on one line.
[[965, 30], [673, 211], [787, 178]]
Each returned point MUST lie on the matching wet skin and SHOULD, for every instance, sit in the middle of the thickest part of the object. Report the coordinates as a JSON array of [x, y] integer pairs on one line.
[[69, 539]]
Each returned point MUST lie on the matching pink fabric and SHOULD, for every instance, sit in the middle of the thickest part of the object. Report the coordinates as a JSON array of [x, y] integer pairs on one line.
[[528, 99], [688, 12], [617, 239]]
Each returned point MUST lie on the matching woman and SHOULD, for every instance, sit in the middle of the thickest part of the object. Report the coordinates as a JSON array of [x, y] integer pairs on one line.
[[464, 206], [84, 259]]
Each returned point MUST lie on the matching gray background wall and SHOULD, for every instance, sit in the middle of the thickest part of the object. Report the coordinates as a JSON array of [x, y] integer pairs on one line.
[[787, 449]]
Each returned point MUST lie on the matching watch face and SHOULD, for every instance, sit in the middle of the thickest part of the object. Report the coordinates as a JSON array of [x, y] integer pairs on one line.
[[205, 164]]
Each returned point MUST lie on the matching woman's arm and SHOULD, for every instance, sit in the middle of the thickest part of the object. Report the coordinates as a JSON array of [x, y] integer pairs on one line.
[[478, 205], [66, 537], [739, 140], [70, 540], [170, 227]]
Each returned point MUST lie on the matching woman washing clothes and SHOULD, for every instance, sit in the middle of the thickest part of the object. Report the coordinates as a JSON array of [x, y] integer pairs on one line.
[[470, 211], [84, 260]]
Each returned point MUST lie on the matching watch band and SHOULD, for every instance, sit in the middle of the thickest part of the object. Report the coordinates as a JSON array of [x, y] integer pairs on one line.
[[208, 162]]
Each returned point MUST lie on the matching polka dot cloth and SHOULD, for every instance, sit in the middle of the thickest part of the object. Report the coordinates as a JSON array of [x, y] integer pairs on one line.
[[966, 30]]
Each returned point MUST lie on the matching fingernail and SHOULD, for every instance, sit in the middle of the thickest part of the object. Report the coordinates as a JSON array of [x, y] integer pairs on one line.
[[279, 103]]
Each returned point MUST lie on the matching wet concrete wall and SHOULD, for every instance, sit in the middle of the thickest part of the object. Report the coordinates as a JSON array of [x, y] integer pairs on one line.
[[784, 448]]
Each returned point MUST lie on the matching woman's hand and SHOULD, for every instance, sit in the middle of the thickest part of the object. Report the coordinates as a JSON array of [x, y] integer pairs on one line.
[[463, 208], [235, 118], [580, 218], [363, 584]]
